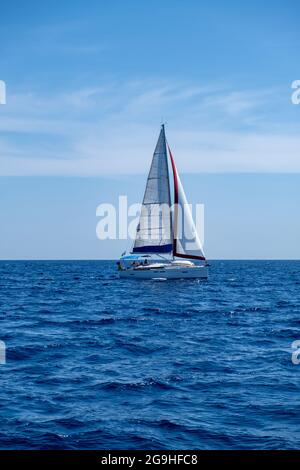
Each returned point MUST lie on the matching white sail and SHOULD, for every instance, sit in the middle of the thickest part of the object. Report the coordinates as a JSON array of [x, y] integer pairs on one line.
[[154, 231], [186, 243]]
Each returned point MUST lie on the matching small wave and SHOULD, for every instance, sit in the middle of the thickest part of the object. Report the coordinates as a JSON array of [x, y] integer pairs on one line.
[[147, 383]]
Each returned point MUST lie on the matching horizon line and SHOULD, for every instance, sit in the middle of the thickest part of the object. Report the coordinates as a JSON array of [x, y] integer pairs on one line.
[[114, 259]]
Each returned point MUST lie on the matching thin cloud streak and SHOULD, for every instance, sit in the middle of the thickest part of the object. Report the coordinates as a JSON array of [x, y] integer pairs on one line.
[[112, 129]]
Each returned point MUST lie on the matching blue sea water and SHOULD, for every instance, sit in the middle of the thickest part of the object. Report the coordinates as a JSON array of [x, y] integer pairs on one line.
[[96, 362]]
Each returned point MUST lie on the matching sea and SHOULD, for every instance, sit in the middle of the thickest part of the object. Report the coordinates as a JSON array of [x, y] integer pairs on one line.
[[96, 362]]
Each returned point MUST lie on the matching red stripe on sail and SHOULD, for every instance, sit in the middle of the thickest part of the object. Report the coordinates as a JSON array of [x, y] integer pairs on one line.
[[179, 255]]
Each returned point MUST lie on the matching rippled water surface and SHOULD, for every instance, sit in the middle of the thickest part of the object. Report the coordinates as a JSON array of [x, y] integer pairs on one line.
[[98, 362]]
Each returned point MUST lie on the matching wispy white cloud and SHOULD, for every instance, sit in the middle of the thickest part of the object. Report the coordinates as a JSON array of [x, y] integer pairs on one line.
[[236, 102], [112, 128]]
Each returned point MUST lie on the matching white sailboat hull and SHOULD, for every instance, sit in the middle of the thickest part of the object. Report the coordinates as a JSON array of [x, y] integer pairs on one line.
[[164, 231], [165, 272]]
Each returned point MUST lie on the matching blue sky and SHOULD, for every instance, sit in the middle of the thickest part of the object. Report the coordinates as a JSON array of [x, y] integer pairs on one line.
[[88, 84]]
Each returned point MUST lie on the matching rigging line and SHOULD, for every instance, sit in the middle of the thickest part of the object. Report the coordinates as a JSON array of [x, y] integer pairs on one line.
[[163, 257]]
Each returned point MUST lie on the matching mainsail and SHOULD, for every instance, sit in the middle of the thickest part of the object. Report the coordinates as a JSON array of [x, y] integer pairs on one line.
[[154, 231], [186, 242]]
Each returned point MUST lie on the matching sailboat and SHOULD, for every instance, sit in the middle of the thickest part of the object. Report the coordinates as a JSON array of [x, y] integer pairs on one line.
[[166, 245]]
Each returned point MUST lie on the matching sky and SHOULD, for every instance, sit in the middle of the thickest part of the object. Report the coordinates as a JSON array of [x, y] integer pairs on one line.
[[88, 85]]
